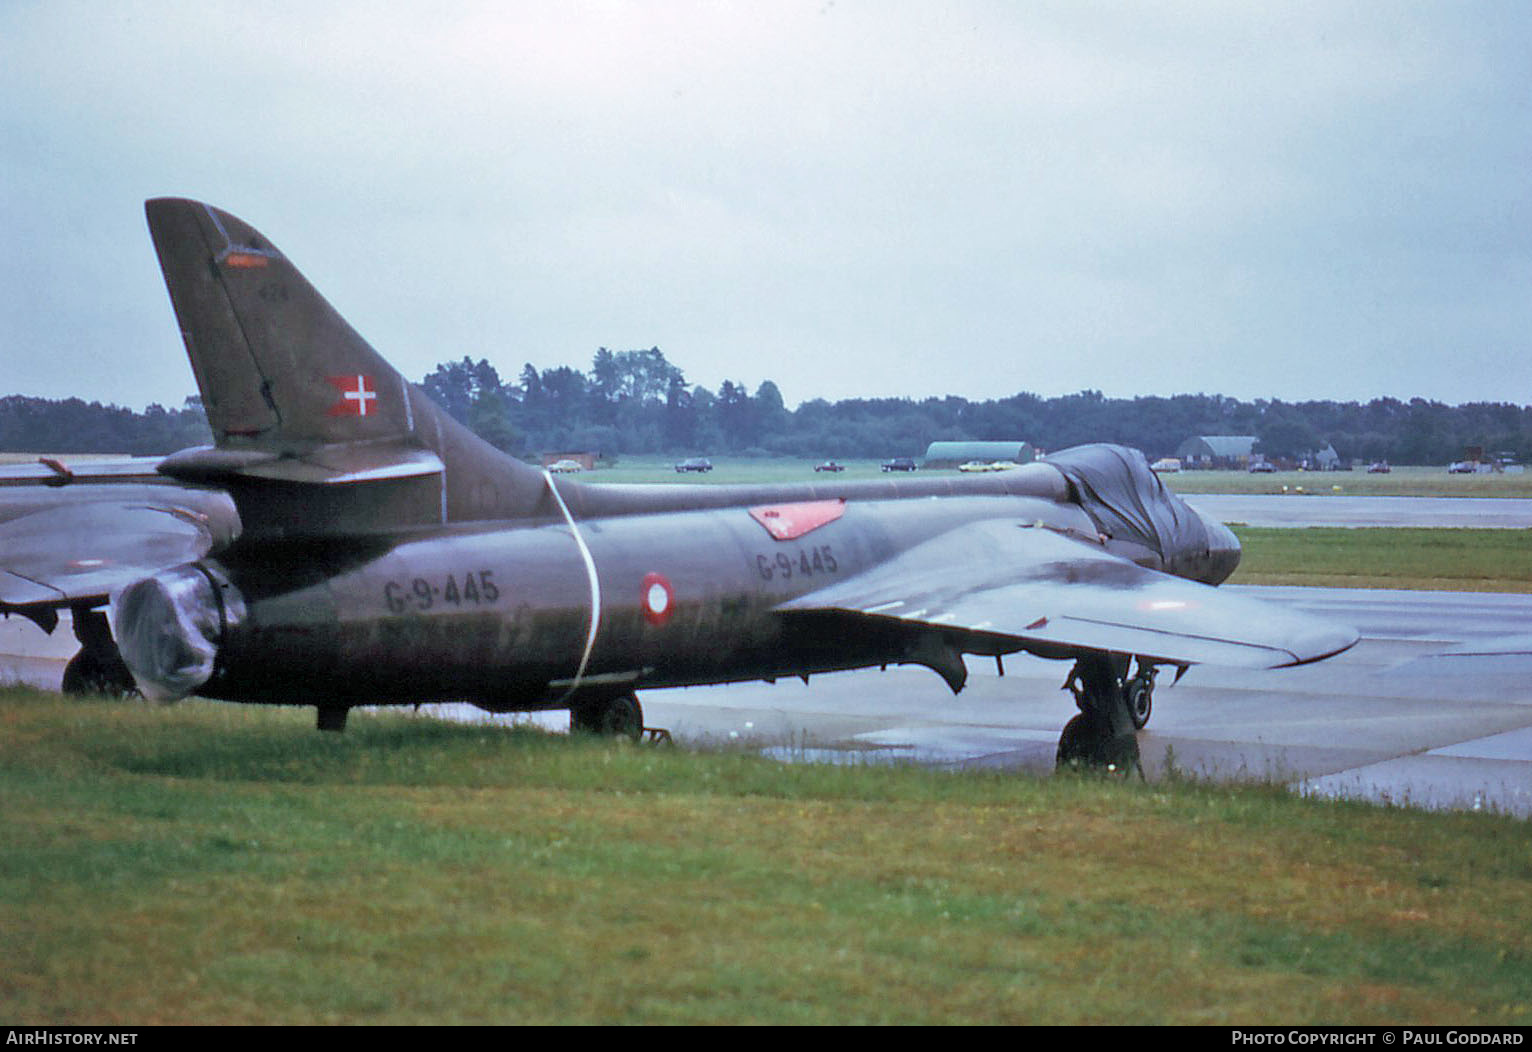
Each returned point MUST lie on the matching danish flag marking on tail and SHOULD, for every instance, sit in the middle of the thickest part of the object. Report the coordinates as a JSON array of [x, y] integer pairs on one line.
[[355, 393]]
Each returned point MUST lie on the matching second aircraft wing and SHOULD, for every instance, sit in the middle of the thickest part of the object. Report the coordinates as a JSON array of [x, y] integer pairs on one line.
[[77, 547]]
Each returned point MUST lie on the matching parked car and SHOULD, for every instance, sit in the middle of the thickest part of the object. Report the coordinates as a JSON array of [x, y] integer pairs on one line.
[[694, 464], [1262, 467], [1378, 468], [564, 465], [829, 465], [1462, 467], [1166, 465], [899, 464], [987, 465]]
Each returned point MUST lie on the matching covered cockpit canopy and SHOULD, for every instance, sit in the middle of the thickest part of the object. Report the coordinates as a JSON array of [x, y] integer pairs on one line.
[[1128, 502]]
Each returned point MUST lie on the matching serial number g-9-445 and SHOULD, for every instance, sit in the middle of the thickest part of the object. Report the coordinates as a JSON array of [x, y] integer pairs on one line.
[[424, 593], [805, 562]]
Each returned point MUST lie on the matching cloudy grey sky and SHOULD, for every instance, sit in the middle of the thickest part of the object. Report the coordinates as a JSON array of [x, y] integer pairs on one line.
[[850, 197]]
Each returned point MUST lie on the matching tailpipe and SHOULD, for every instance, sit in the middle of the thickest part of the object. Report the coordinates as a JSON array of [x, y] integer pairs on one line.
[[169, 627]]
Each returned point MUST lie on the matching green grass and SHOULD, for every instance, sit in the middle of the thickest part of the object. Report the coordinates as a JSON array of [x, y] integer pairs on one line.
[[221, 864], [1454, 560]]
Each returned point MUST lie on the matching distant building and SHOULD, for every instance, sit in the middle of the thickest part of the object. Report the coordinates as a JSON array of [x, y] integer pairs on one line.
[[952, 454], [1216, 451], [1327, 459]]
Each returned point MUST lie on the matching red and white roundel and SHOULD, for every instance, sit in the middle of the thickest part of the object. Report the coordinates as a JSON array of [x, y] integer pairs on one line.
[[658, 598]]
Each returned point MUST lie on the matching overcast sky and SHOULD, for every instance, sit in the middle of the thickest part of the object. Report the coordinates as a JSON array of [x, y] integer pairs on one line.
[[851, 198]]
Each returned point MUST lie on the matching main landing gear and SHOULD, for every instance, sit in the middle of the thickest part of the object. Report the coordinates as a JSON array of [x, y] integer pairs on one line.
[[98, 668], [613, 716], [1112, 709]]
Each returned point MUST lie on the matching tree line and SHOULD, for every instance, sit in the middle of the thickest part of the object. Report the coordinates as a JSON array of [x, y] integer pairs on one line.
[[71, 425], [633, 402], [638, 402]]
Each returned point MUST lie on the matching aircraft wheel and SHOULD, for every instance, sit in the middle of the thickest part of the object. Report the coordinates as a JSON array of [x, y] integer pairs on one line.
[[615, 717], [1140, 701], [87, 674], [1074, 743], [1088, 744]]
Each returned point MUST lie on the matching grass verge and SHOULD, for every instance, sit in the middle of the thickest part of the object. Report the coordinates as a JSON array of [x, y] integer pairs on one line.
[[1436, 560], [214, 863]]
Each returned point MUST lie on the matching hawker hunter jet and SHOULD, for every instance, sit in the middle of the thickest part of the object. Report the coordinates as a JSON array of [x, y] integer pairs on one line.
[[388, 556]]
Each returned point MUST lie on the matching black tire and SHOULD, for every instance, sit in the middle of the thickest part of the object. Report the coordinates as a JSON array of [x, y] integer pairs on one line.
[[1074, 744], [1088, 745], [88, 675], [1140, 694], [615, 717]]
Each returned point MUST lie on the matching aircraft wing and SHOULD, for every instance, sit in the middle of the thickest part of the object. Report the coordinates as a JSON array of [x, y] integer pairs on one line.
[[77, 548], [54, 471], [1014, 581]]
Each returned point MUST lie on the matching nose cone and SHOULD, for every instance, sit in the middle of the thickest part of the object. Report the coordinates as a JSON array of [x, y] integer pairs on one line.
[[1223, 551], [168, 628]]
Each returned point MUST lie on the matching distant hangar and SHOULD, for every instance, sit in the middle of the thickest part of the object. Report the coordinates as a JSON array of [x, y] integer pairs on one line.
[[1216, 451]]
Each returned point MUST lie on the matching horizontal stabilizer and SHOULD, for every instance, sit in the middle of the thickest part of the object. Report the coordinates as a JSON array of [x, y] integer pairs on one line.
[[326, 465]]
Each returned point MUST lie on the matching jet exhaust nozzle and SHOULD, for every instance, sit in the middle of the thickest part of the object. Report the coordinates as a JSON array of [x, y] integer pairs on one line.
[[169, 628]]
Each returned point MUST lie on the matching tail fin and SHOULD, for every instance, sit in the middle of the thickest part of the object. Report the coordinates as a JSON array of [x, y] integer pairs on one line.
[[297, 399]]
